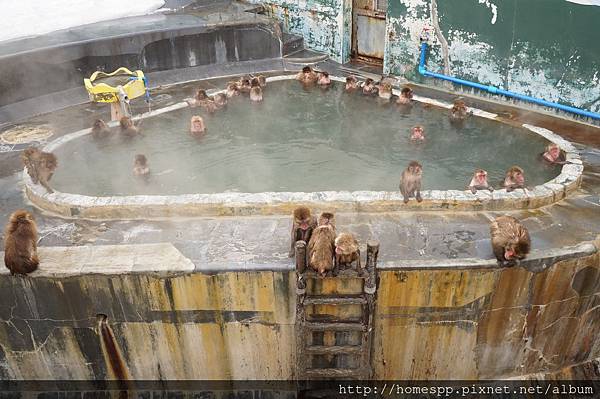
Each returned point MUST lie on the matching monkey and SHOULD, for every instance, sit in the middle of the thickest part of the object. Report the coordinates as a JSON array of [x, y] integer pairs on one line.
[[40, 166], [209, 106], [385, 91], [323, 79], [321, 248], [197, 128], [262, 81], [417, 133], [351, 83], [99, 129], [510, 239], [479, 181], [307, 75], [256, 94], [410, 181], [128, 128], [220, 100], [327, 218], [20, 243], [303, 224], [459, 110], [346, 250], [29, 157], [369, 87], [201, 95], [232, 90], [244, 85], [406, 95], [515, 178], [554, 155], [140, 166]]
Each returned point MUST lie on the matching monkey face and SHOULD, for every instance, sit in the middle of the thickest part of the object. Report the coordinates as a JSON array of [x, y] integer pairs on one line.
[[513, 251], [518, 177], [306, 70], [481, 177], [554, 152]]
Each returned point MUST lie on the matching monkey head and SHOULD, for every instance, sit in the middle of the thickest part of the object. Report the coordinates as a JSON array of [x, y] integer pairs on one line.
[[369, 82], [324, 78], [125, 122], [480, 177], [406, 92], [326, 218], [516, 249], [255, 82], [302, 217], [201, 95], [141, 160], [19, 217], [262, 81], [48, 161], [516, 174], [553, 150], [306, 70], [345, 244], [415, 168], [220, 99], [99, 124], [197, 123], [418, 133]]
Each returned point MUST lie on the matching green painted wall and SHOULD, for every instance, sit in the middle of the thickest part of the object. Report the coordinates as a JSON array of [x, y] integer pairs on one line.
[[544, 48]]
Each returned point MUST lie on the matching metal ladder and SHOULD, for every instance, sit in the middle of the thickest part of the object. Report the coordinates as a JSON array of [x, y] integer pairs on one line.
[[334, 319]]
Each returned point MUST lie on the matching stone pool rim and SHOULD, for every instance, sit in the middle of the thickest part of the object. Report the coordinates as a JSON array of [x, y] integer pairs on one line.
[[283, 203]]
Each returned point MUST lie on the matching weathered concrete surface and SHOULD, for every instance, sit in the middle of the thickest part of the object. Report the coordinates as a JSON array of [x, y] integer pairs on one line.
[[478, 324]]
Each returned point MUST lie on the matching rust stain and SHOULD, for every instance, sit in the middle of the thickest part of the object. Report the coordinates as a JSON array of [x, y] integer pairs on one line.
[[111, 351]]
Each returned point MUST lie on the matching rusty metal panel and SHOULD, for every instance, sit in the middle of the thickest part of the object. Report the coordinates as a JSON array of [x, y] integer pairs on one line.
[[370, 35]]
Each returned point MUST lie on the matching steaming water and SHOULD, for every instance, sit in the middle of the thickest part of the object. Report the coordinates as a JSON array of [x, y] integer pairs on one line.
[[299, 140]]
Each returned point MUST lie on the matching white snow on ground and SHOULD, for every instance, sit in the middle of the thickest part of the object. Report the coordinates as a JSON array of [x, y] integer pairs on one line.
[[25, 18]]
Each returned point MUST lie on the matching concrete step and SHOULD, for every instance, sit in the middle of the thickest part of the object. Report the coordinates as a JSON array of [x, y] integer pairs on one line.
[[334, 300], [292, 44], [327, 350], [333, 373]]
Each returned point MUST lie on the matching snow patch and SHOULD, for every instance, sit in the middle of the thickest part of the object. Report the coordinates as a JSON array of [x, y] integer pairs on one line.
[[33, 17]]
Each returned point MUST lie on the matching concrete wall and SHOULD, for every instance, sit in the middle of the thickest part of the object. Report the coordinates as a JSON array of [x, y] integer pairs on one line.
[[544, 48], [460, 319], [326, 25]]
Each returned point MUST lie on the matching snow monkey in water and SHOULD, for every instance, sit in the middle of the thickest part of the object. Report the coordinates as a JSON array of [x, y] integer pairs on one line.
[[479, 181], [140, 166], [515, 178]]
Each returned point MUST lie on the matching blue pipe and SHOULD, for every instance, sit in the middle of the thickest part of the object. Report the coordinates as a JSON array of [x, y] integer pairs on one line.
[[496, 90]]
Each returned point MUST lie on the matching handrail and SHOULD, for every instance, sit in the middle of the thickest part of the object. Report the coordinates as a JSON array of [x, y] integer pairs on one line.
[[495, 90]]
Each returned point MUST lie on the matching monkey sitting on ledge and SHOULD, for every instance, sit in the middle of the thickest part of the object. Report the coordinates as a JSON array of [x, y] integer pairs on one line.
[[20, 243]]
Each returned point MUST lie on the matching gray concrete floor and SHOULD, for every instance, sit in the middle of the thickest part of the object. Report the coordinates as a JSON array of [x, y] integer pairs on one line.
[[240, 242]]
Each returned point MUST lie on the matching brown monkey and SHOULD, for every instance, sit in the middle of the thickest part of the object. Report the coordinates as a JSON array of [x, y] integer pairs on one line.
[[479, 181], [321, 249], [369, 87], [515, 178], [244, 85], [197, 128], [351, 83], [140, 165], [410, 181], [406, 95], [510, 239], [100, 129], [128, 128], [20, 243], [554, 155], [303, 224], [307, 75], [459, 110], [385, 91], [232, 90], [256, 92], [209, 106], [220, 100], [262, 81], [30, 157], [417, 133], [323, 79], [346, 250]]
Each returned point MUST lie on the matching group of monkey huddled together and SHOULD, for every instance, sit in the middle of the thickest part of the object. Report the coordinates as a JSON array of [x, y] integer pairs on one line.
[[327, 251]]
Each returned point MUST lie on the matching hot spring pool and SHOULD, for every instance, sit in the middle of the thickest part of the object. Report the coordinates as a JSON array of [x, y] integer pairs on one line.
[[299, 140]]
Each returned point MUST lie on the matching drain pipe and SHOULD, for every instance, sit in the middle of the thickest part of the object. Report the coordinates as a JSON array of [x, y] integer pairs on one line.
[[496, 90]]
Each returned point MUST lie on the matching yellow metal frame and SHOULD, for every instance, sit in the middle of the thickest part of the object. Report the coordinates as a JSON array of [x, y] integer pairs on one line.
[[104, 93]]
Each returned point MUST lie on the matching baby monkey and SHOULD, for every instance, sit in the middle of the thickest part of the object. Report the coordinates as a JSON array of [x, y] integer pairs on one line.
[[410, 181], [303, 223], [323, 79], [351, 83], [197, 128], [515, 178], [510, 239], [347, 251], [554, 155], [128, 128], [307, 75], [100, 129], [140, 166], [479, 181], [417, 133], [406, 95]]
